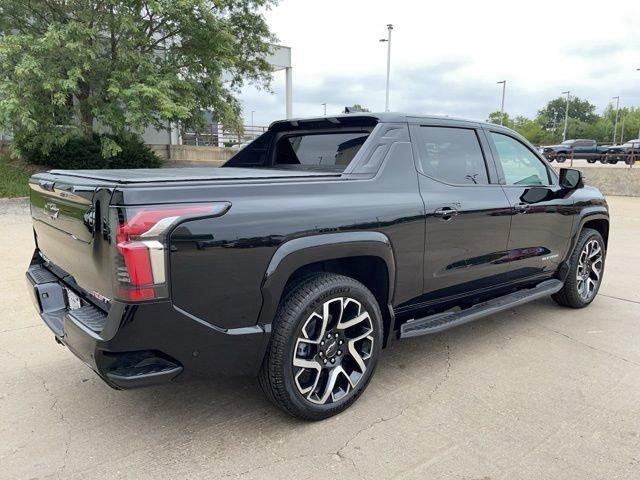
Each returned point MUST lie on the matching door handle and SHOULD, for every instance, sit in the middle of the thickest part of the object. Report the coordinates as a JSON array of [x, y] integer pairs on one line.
[[522, 207], [446, 213]]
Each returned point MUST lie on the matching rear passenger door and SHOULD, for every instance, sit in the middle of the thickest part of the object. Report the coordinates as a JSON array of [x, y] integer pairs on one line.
[[467, 212], [543, 213]]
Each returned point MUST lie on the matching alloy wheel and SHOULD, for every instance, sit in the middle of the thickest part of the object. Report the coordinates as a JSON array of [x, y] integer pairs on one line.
[[589, 270], [333, 350]]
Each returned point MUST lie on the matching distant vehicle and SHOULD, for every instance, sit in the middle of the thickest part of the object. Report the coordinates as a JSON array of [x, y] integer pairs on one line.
[[627, 152], [580, 148]]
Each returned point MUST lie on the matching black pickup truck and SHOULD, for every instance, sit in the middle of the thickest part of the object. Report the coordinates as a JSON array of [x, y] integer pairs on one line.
[[307, 252], [578, 148]]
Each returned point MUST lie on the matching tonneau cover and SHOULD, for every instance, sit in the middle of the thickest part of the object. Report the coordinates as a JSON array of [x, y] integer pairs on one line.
[[150, 175]]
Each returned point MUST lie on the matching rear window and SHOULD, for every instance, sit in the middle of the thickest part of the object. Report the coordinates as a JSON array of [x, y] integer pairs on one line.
[[304, 151], [332, 150]]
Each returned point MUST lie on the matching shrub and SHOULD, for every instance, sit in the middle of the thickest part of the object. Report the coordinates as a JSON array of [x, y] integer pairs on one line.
[[87, 153]]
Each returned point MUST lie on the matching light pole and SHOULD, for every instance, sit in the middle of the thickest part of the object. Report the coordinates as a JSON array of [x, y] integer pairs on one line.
[[252, 129], [615, 125], [504, 87], [566, 115], [388, 40], [638, 70], [325, 108]]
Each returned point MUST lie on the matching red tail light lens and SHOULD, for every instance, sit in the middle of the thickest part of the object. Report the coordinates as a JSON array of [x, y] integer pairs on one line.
[[140, 241]]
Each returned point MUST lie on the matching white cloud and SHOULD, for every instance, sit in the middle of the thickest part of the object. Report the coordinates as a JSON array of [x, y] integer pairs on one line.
[[448, 56]]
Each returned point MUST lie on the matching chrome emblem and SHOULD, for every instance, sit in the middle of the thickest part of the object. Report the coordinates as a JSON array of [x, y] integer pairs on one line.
[[51, 210]]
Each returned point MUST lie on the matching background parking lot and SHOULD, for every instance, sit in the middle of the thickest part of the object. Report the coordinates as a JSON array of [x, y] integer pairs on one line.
[[536, 392]]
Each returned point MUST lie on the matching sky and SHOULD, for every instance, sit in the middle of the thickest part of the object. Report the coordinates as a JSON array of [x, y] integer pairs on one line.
[[447, 56]]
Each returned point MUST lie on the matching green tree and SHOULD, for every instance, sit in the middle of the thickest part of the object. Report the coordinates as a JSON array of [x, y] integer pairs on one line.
[[495, 117], [73, 68], [552, 115]]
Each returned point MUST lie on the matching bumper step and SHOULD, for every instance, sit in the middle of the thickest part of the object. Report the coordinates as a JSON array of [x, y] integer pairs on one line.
[[139, 370], [443, 321], [90, 316]]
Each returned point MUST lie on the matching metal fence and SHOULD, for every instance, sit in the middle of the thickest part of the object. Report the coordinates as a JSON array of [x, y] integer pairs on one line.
[[217, 135]]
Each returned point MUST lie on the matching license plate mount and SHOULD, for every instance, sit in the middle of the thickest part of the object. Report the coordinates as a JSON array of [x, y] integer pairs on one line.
[[74, 301]]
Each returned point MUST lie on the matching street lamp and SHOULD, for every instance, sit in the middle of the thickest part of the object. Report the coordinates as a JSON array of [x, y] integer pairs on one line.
[[388, 40], [325, 108], [504, 87], [638, 70], [566, 115], [615, 125]]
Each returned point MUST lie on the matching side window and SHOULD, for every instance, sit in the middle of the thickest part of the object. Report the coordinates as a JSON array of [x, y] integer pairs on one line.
[[452, 155], [519, 164]]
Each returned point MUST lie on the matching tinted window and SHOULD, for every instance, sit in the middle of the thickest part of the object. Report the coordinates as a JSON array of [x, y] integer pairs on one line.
[[452, 155], [519, 164], [326, 150], [253, 155]]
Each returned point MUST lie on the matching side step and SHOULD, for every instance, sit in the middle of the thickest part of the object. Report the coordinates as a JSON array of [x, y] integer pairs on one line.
[[445, 320]]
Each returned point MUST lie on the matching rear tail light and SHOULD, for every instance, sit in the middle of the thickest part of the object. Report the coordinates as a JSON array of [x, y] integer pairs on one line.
[[141, 245]]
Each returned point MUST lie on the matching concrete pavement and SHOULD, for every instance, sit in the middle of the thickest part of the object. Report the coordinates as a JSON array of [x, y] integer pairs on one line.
[[536, 392]]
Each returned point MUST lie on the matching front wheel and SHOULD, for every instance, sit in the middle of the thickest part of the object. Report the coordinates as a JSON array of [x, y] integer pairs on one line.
[[325, 343], [591, 160], [561, 158], [586, 267]]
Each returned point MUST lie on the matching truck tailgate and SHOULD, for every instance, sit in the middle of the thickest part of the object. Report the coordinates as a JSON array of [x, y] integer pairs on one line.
[[67, 221]]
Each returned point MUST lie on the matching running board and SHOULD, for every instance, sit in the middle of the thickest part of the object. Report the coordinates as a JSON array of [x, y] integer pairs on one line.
[[445, 320]]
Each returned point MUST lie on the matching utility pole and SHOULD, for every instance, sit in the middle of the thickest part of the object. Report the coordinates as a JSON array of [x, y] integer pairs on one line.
[[504, 87], [566, 115], [638, 70], [622, 130], [325, 108], [615, 125], [388, 41]]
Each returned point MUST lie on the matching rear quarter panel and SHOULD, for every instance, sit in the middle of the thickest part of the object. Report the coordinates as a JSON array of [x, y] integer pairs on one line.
[[218, 266]]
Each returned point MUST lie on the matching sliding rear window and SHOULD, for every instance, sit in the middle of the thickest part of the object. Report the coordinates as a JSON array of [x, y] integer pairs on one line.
[[323, 151]]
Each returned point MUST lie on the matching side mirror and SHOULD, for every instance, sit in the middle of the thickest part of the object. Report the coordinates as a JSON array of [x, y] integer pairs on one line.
[[570, 178]]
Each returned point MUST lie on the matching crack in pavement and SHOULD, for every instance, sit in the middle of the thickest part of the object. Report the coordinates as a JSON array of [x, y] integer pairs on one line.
[[619, 298], [54, 406], [340, 452], [580, 342]]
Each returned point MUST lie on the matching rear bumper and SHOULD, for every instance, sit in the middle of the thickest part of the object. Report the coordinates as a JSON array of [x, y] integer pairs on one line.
[[138, 345]]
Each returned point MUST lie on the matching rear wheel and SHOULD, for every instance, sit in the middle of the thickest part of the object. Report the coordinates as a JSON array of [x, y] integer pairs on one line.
[[325, 343], [591, 160], [586, 267], [561, 158], [630, 160]]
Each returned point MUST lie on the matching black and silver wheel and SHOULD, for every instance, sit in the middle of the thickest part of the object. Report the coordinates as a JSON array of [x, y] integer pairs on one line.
[[591, 160], [585, 272], [325, 343], [561, 158]]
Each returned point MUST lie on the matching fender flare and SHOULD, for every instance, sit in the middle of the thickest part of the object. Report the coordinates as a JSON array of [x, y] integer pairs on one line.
[[299, 252], [593, 213]]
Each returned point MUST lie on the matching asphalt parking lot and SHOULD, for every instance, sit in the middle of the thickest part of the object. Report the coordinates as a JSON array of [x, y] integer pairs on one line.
[[533, 393]]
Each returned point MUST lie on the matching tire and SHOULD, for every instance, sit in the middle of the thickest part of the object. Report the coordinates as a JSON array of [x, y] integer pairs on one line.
[[301, 361], [561, 158], [630, 160], [591, 160], [586, 269]]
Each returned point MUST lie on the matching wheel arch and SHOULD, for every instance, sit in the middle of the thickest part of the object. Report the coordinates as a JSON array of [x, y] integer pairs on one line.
[[366, 256]]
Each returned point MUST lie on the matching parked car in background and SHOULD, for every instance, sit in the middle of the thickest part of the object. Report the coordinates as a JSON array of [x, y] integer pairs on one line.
[[627, 152], [579, 148]]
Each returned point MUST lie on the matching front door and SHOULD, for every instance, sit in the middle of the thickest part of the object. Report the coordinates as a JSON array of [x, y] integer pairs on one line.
[[543, 212], [467, 212]]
